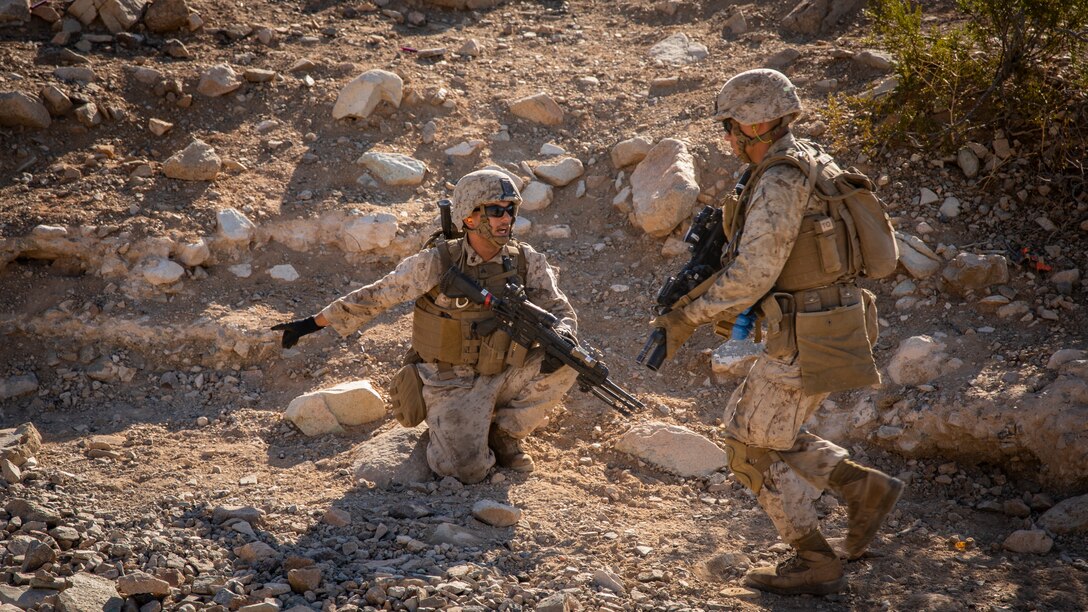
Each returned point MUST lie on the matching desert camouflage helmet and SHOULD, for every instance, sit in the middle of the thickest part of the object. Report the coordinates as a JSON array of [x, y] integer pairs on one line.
[[756, 96], [482, 187]]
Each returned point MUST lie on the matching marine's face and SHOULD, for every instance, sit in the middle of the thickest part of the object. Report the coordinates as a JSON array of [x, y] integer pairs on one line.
[[494, 221]]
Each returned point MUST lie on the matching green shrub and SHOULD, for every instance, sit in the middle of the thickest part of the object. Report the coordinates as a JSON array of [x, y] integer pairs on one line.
[[1017, 65]]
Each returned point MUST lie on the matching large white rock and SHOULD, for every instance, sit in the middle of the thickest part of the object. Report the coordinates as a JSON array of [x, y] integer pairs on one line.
[[219, 80], [398, 456], [18, 108], [369, 232], [663, 187], [394, 168], [325, 410], [919, 260], [163, 272], [1068, 516], [560, 172], [917, 361], [678, 49], [361, 96], [496, 514], [538, 108], [234, 227], [536, 196], [673, 448], [194, 253], [196, 162], [284, 272], [630, 151]]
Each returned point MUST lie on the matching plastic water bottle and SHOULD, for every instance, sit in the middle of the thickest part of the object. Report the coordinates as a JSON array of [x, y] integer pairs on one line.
[[742, 328]]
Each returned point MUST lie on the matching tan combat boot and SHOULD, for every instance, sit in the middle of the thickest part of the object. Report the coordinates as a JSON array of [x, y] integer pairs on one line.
[[508, 452], [870, 495], [814, 570]]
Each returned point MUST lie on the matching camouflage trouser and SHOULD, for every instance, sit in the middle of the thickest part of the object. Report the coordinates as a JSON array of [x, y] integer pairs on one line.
[[462, 406], [768, 410]]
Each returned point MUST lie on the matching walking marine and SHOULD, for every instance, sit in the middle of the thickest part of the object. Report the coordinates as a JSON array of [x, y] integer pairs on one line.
[[798, 236]]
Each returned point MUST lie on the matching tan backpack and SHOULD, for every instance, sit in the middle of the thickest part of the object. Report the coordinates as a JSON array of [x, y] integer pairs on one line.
[[850, 196]]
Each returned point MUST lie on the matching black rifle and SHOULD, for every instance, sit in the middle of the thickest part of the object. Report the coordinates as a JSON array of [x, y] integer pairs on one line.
[[706, 238], [529, 324]]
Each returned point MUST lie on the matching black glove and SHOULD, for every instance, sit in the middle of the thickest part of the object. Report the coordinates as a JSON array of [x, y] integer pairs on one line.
[[293, 330], [551, 364]]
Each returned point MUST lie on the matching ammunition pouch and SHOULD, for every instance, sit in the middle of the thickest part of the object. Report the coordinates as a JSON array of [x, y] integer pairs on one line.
[[749, 463], [406, 398]]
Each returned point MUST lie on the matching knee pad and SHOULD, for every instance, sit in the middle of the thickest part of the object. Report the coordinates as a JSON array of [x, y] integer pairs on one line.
[[749, 463]]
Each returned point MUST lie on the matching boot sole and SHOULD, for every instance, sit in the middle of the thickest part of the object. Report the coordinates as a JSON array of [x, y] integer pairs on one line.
[[889, 502], [823, 588]]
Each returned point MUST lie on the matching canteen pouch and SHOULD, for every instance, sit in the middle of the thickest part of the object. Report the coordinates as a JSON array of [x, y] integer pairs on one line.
[[778, 313], [833, 350], [406, 400]]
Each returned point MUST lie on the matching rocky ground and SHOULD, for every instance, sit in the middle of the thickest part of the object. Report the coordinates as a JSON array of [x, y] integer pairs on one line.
[[141, 269]]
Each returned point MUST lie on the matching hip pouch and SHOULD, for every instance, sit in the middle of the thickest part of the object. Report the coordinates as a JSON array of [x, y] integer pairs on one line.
[[833, 350], [406, 398]]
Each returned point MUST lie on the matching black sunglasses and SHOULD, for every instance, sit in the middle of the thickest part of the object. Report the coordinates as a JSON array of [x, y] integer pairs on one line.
[[496, 211], [727, 124]]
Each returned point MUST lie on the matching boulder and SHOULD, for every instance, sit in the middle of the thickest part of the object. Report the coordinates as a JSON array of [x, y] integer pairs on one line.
[[120, 15], [1068, 516], [351, 403], [1029, 541], [496, 514], [284, 272], [454, 535], [918, 259], [538, 108], [537, 196], [89, 592], [166, 16], [663, 188], [56, 100], [140, 583], [14, 11], [371, 232], [219, 80], [971, 272], [561, 172], [917, 361], [672, 448], [15, 386], [394, 168], [398, 456], [234, 228], [20, 109], [812, 17], [630, 151], [20, 443], [677, 50], [196, 162], [162, 271], [194, 253], [362, 95]]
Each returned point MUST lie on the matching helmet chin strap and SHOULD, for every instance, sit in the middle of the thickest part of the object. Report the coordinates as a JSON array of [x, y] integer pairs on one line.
[[485, 231], [744, 140]]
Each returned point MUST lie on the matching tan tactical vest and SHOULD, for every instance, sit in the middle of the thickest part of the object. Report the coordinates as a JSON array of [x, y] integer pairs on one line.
[[826, 250], [465, 333], [815, 310]]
